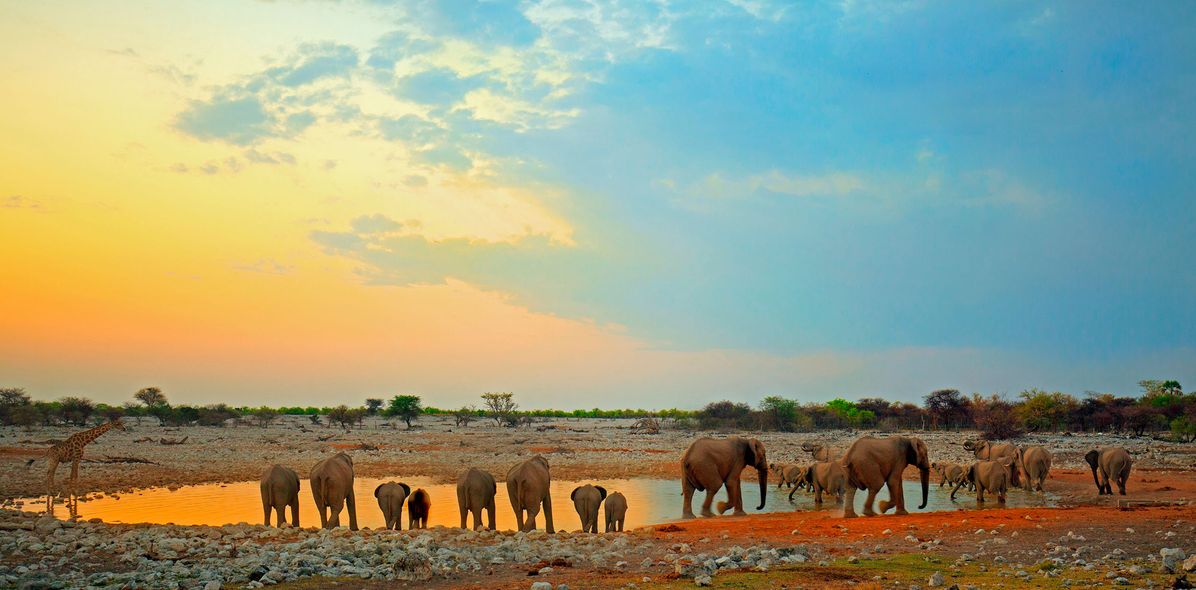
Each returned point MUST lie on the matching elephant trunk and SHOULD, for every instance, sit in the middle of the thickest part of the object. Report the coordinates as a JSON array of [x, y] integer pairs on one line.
[[925, 474], [763, 473]]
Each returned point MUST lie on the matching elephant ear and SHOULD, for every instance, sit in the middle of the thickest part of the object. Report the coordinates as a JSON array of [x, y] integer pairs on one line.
[[406, 489], [1092, 457], [378, 489], [754, 453], [573, 494], [601, 491]]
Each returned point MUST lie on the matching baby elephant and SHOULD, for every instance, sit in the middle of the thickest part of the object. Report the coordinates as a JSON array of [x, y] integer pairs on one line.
[[990, 476], [826, 477], [280, 489], [788, 472], [1113, 464], [587, 499], [390, 497], [418, 508], [616, 512]]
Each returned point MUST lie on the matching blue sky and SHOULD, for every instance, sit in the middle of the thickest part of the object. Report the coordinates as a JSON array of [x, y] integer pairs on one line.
[[1005, 187]]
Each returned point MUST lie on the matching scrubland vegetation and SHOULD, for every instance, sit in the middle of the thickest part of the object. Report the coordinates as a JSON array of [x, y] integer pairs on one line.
[[1160, 408]]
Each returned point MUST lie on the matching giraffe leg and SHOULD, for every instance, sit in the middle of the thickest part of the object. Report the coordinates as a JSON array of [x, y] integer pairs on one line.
[[53, 461]]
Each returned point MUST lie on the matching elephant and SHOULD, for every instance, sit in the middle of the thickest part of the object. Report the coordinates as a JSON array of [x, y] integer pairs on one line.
[[951, 473], [709, 464], [821, 452], [872, 463], [528, 486], [616, 512], [587, 499], [985, 450], [991, 476], [419, 505], [790, 473], [1114, 464], [475, 492], [1034, 464], [280, 489], [332, 488], [828, 476], [390, 497]]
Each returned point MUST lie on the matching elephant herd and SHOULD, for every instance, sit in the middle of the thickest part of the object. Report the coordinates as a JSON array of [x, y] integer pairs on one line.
[[528, 488], [871, 463]]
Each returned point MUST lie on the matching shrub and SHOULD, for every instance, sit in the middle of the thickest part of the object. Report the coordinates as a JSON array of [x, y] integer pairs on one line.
[[724, 414], [76, 410], [406, 407], [995, 417], [501, 407]]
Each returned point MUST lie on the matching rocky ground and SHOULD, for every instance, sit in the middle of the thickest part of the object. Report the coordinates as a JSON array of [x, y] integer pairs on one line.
[[1086, 542]]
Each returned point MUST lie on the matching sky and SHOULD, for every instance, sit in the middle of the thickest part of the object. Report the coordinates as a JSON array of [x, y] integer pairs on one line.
[[595, 204]]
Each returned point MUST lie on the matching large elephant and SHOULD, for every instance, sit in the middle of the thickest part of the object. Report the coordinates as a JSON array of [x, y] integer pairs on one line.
[[1114, 464], [390, 497], [987, 451], [1034, 464], [990, 476], [587, 500], [709, 464], [616, 512], [419, 506], [528, 486], [280, 489], [821, 453], [332, 489], [828, 476], [872, 463], [475, 492]]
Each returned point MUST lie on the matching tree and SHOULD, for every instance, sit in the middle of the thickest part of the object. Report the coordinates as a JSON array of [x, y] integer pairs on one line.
[[345, 416], [947, 408], [76, 410], [1042, 411], [724, 414], [265, 416], [372, 405], [465, 415], [406, 407], [501, 406], [994, 417], [11, 400], [150, 396], [780, 413]]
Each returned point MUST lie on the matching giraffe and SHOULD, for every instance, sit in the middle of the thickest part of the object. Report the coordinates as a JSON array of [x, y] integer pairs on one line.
[[71, 450]]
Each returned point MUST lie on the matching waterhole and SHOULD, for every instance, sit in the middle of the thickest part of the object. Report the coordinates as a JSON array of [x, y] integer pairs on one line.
[[650, 501]]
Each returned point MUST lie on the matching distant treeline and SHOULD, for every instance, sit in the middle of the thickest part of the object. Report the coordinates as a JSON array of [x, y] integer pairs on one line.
[[1162, 406]]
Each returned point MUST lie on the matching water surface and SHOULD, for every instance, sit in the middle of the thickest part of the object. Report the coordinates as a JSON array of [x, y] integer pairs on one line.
[[650, 501]]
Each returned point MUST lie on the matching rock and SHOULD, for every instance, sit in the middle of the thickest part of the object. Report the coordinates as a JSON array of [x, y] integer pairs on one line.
[[703, 580], [257, 573], [1190, 563], [213, 585], [936, 580], [1172, 558], [415, 566], [541, 586]]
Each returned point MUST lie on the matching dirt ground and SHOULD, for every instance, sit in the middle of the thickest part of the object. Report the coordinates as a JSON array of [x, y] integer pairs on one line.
[[983, 548]]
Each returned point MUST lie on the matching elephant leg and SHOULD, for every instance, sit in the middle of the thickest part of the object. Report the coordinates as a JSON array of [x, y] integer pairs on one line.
[[465, 511], [687, 498], [266, 509], [621, 524], [295, 511], [280, 515], [518, 512], [849, 502], [351, 500], [868, 511], [791, 492], [817, 494], [490, 511], [895, 498], [979, 493], [548, 512], [1121, 481], [530, 523], [334, 509], [708, 501], [956, 489]]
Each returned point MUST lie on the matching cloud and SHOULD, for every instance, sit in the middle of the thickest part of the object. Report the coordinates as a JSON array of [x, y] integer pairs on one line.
[[266, 266], [439, 86], [235, 120], [795, 185], [374, 224], [318, 61], [21, 202]]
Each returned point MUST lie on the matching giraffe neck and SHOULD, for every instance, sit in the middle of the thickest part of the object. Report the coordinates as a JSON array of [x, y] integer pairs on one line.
[[87, 436]]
